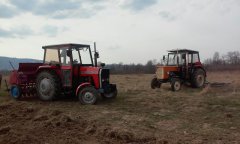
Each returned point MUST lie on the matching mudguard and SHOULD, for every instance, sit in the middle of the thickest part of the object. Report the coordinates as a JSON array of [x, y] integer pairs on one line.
[[82, 86]]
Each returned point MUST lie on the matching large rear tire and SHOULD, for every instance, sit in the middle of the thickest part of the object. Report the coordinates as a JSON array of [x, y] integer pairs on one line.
[[198, 78], [48, 86], [88, 96]]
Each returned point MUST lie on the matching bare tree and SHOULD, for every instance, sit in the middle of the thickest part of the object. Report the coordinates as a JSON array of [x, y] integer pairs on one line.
[[216, 58]]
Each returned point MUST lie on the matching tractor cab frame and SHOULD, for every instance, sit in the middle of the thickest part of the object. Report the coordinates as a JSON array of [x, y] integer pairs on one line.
[[181, 66], [68, 54]]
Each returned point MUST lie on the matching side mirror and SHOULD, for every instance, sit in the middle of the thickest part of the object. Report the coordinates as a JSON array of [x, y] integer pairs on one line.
[[164, 58], [69, 53], [96, 55]]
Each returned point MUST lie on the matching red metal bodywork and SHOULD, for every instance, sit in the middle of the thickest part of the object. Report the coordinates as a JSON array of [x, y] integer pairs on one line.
[[91, 71], [25, 76]]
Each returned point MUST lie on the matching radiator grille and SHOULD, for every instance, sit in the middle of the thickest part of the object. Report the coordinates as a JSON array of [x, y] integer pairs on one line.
[[160, 73]]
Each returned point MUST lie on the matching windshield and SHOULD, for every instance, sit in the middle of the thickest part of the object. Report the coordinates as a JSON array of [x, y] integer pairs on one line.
[[172, 59], [65, 60], [82, 56], [175, 59]]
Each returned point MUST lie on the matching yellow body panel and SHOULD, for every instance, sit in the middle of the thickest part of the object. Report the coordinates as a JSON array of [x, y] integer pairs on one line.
[[162, 71]]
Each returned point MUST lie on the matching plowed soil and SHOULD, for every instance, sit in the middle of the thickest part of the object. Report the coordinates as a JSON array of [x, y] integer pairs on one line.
[[138, 115]]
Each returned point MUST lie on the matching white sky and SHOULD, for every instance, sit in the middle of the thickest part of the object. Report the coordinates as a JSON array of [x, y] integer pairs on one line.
[[128, 31]]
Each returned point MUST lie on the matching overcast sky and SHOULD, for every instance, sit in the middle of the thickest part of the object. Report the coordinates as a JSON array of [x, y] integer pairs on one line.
[[128, 31]]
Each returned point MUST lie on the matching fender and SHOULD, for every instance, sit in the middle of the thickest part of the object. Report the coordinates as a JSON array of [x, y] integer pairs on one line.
[[81, 86]]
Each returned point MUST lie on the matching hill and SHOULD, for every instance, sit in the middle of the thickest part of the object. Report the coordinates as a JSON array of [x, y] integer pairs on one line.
[[5, 65]]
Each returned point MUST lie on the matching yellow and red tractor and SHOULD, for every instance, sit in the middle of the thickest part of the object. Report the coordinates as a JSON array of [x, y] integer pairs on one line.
[[66, 69], [181, 66]]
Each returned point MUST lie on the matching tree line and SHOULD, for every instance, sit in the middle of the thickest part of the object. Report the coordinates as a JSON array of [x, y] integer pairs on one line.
[[229, 61], [148, 68]]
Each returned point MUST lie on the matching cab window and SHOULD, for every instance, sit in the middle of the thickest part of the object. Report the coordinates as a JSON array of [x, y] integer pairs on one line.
[[195, 58], [51, 56], [65, 60]]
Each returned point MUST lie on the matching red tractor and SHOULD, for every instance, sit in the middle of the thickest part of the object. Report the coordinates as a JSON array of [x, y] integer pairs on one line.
[[66, 69]]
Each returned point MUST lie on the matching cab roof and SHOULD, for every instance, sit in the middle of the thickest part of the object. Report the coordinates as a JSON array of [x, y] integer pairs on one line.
[[183, 51], [63, 46]]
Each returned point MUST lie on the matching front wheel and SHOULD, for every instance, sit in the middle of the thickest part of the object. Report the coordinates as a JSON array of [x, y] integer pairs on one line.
[[111, 95], [155, 83], [88, 96], [176, 84]]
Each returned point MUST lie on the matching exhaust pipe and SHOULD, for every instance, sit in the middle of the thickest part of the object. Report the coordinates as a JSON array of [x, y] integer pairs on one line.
[[96, 55]]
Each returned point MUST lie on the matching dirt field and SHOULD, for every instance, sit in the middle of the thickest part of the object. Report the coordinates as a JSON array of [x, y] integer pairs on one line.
[[138, 115]]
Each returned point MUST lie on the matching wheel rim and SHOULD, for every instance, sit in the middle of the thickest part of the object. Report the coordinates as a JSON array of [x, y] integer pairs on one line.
[[200, 80], [45, 86], [177, 86], [88, 98], [15, 92]]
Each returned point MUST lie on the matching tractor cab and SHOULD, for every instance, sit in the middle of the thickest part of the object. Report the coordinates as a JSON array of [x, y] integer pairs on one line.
[[68, 54], [70, 59], [183, 57], [181, 65]]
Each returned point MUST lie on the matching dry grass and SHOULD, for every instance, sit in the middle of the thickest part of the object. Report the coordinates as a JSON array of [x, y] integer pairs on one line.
[[138, 115], [3, 86]]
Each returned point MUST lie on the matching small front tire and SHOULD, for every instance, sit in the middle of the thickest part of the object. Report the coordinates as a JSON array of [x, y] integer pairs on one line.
[[88, 96], [176, 84], [155, 83], [111, 95]]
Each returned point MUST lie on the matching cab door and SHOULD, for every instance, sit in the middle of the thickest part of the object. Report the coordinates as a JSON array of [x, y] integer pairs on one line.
[[66, 68]]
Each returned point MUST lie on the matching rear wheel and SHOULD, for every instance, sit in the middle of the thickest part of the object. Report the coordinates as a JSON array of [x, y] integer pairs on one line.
[[88, 96], [155, 83], [198, 78], [16, 92], [176, 84], [48, 85]]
